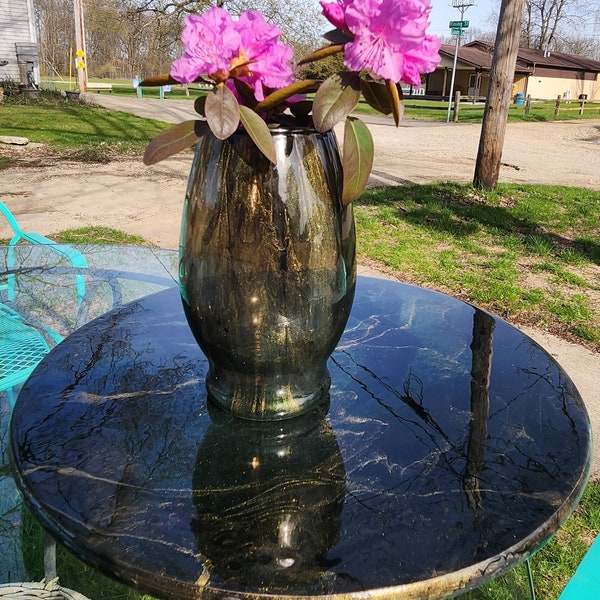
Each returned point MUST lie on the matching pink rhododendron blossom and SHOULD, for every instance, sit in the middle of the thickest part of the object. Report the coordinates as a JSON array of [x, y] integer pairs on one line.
[[422, 60], [268, 56], [335, 13], [211, 41], [248, 49], [390, 38]]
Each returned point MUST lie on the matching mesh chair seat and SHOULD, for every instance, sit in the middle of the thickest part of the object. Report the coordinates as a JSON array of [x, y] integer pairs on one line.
[[21, 348], [22, 345]]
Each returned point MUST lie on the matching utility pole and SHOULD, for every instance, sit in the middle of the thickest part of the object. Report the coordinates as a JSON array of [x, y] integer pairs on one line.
[[80, 53], [495, 115], [462, 5]]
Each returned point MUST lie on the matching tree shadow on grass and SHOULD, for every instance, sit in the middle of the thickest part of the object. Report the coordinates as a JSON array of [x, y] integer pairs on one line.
[[461, 211]]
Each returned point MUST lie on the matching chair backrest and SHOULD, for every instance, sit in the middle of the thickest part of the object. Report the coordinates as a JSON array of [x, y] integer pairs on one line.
[[71, 254], [584, 583], [27, 316]]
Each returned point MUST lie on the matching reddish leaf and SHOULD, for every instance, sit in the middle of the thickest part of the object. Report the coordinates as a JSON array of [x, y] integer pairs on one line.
[[276, 98], [173, 140], [200, 105], [259, 132], [301, 108], [335, 100], [164, 79], [222, 112], [337, 36], [321, 53], [396, 100], [357, 159], [246, 92]]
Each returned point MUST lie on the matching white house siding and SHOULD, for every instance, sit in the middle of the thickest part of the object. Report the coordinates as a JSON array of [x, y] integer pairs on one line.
[[16, 27]]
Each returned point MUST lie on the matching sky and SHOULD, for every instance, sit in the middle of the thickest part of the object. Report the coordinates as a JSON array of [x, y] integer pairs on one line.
[[443, 12]]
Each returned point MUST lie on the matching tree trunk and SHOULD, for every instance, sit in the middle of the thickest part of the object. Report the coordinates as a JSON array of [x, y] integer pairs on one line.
[[502, 75]]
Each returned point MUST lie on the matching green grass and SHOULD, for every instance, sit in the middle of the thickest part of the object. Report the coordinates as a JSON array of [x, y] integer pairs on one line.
[[98, 235], [554, 564], [124, 88], [72, 573], [432, 110], [95, 235], [528, 253], [75, 128]]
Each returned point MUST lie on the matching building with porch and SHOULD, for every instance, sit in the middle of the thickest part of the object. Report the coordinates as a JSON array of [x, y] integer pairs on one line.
[[19, 61], [542, 75]]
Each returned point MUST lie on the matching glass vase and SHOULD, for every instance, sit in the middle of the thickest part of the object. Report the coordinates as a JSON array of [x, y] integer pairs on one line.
[[267, 269]]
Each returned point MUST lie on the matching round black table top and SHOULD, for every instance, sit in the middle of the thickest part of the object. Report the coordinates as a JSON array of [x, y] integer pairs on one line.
[[451, 449]]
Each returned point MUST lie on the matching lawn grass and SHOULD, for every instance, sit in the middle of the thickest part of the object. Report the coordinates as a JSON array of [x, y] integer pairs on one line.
[[124, 88], [432, 110], [528, 253], [75, 128], [98, 235]]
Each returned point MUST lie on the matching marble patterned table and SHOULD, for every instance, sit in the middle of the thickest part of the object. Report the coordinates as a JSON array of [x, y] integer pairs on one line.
[[452, 447]]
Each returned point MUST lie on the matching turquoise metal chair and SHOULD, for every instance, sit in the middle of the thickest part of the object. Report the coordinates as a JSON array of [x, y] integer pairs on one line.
[[584, 583], [22, 343]]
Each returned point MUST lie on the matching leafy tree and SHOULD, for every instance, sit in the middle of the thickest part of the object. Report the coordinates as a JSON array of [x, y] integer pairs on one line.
[[55, 33]]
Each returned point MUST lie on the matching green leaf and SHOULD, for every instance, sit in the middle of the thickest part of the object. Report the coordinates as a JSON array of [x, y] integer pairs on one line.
[[173, 140], [200, 105], [259, 132], [222, 111], [357, 159], [376, 96], [335, 100]]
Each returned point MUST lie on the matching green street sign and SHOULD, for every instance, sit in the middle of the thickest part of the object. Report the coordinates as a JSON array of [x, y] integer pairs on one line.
[[457, 31], [454, 24]]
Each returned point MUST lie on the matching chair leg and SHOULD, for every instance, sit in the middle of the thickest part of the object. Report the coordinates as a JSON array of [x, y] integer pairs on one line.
[[49, 558], [530, 577]]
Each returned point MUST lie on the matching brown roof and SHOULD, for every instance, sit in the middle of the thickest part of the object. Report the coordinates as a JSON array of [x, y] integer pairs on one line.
[[469, 55], [479, 55], [558, 60]]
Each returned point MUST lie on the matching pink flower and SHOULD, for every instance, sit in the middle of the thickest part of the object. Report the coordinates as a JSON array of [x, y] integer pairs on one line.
[[390, 38], [335, 12], [422, 60], [211, 41], [269, 58], [248, 49]]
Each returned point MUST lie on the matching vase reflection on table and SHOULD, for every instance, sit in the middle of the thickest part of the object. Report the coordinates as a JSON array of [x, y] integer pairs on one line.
[[268, 501], [267, 269]]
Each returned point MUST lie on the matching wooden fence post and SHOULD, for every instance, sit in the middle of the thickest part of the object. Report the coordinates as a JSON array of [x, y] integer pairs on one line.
[[456, 106], [582, 106], [557, 107], [528, 104]]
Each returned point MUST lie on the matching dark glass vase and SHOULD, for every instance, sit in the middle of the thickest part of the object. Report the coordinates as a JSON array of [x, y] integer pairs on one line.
[[267, 269]]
